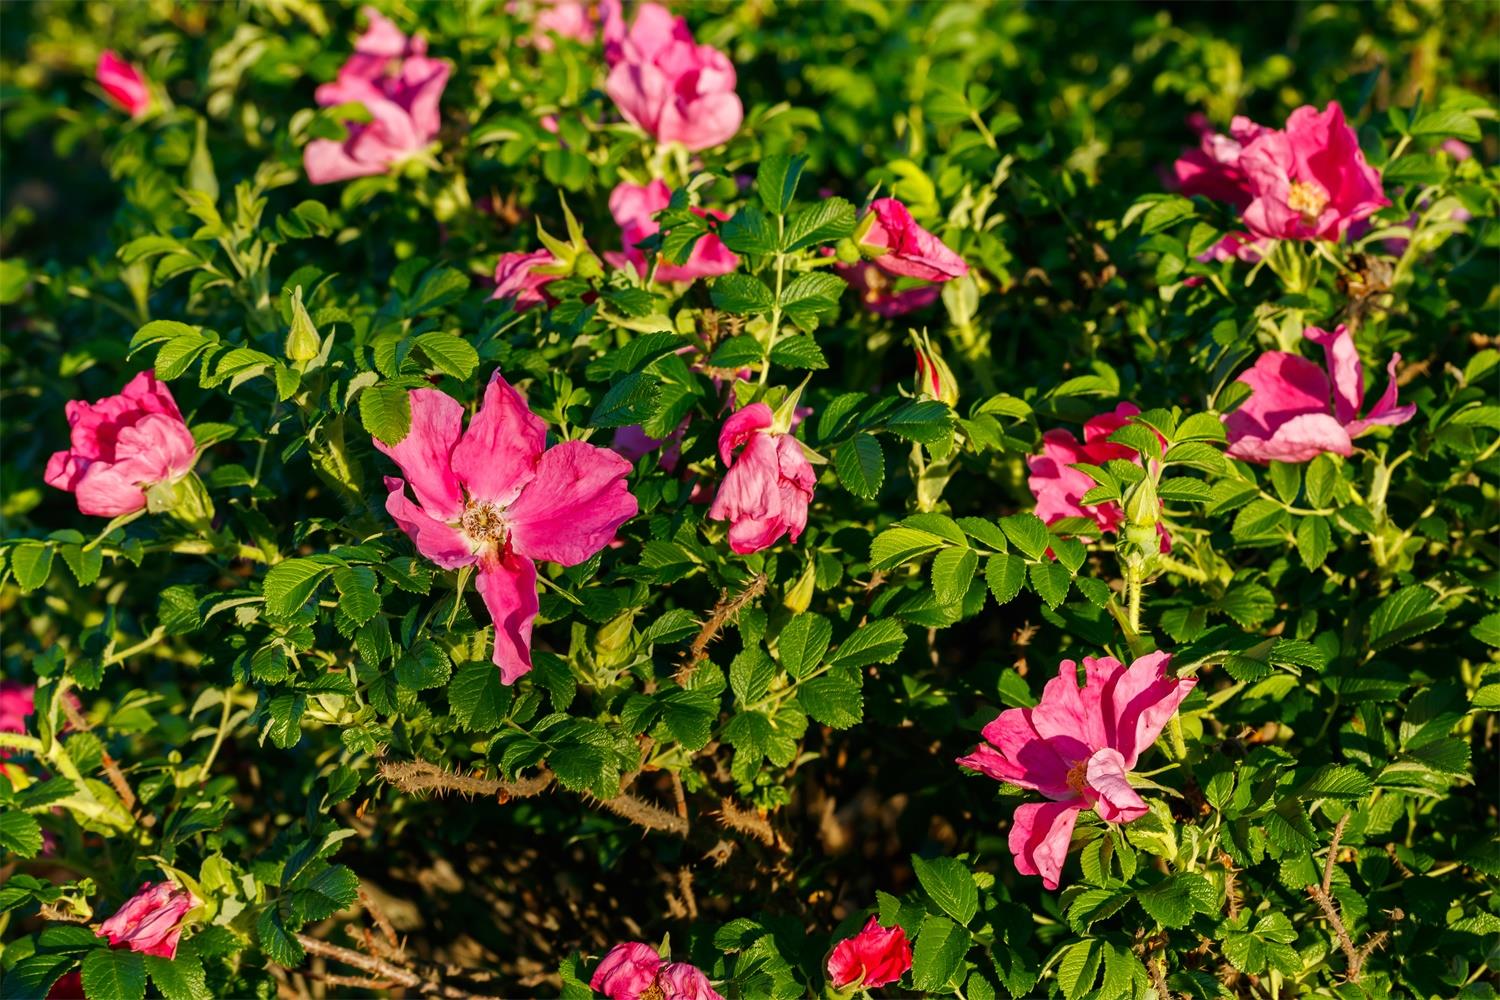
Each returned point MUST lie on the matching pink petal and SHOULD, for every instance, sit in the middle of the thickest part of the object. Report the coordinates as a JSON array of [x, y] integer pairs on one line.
[[1040, 835], [1282, 388], [1109, 789], [328, 162], [104, 491], [1138, 703], [498, 454], [741, 427], [1069, 715], [508, 587], [1016, 753], [1385, 411], [574, 506], [158, 447], [425, 455], [1300, 439], [627, 971], [438, 542], [1342, 363]]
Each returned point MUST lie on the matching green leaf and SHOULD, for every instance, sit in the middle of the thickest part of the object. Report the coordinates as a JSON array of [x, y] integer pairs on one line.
[[1050, 581], [952, 572], [860, 465], [110, 974], [810, 297], [285, 719], [750, 675], [31, 562], [821, 222], [1027, 533], [477, 698], [950, 884], [1286, 479], [1200, 427], [423, 666], [359, 594], [449, 353], [1321, 478], [333, 889], [179, 978], [874, 642], [1249, 604], [737, 352], [33, 977], [925, 421], [833, 700], [1006, 575], [899, 544], [748, 232], [631, 400], [278, 944], [776, 181], [1314, 541], [1173, 901], [290, 583], [802, 643], [800, 352], [742, 293], [939, 954], [20, 833], [1404, 615], [690, 716], [1079, 968], [439, 287], [385, 411]]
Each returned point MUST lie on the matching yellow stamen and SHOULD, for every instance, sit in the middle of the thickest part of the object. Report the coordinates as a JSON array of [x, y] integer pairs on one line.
[[1307, 198]]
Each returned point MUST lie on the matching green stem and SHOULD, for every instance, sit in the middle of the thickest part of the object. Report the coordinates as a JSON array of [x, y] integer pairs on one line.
[[213, 751], [765, 368]]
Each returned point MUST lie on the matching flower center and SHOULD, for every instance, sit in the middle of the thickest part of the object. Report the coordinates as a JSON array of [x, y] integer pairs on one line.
[[654, 992], [483, 522], [1307, 198], [1078, 775]]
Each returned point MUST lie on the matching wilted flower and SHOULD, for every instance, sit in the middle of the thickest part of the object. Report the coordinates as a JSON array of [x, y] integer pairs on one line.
[[522, 278], [121, 446], [123, 83], [876, 956], [879, 293], [766, 491], [1309, 180], [392, 77], [634, 971], [150, 922], [632, 206], [661, 80], [495, 497], [1289, 416], [1077, 747], [890, 237]]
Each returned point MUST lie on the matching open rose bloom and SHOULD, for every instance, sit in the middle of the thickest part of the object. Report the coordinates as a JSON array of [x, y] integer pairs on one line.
[[495, 497], [1077, 747], [633, 206], [664, 82], [1310, 179], [392, 77], [876, 956], [1213, 169], [150, 922], [766, 491], [634, 971], [123, 83], [891, 238], [122, 446], [1297, 410]]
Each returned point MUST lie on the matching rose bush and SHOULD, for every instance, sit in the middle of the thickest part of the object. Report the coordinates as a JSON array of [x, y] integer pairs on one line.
[[545, 498]]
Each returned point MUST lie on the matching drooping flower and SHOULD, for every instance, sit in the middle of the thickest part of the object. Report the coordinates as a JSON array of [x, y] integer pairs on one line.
[[633, 206], [1059, 488], [123, 83], [766, 491], [496, 498], [1213, 169], [634, 971], [150, 922], [890, 237], [565, 19], [880, 294], [876, 956], [1077, 747], [399, 85], [121, 446], [521, 278], [1310, 179], [1297, 411], [664, 82]]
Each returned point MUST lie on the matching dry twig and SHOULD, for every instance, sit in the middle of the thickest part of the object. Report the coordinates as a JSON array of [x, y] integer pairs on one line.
[[1354, 958], [383, 971], [723, 613]]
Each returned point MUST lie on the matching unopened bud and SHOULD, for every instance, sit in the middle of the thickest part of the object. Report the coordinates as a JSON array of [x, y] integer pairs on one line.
[[614, 635], [934, 378], [847, 252], [302, 342], [799, 595], [1142, 508]]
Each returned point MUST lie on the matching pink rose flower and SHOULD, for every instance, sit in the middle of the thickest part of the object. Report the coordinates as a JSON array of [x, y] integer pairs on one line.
[[633, 205], [495, 497], [634, 971], [151, 921], [875, 957], [1309, 180], [1213, 169], [1059, 488], [16, 703], [123, 83], [1076, 748], [766, 491], [121, 445], [517, 279], [897, 245], [565, 19], [392, 77], [1289, 416], [662, 81], [879, 294]]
